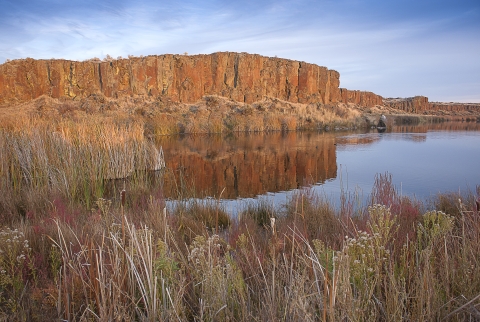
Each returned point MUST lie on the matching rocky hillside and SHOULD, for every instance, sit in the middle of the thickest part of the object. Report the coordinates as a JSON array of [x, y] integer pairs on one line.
[[421, 105], [240, 77], [181, 78]]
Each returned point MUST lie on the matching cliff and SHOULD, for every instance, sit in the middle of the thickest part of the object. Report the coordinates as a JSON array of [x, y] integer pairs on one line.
[[186, 79], [417, 104], [421, 105], [360, 98]]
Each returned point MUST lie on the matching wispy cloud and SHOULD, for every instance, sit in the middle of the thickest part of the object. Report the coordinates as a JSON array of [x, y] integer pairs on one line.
[[392, 48]]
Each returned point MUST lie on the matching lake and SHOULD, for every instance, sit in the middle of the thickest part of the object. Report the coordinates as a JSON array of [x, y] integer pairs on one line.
[[423, 160]]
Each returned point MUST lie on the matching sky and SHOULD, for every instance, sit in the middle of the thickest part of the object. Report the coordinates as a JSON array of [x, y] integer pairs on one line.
[[396, 48]]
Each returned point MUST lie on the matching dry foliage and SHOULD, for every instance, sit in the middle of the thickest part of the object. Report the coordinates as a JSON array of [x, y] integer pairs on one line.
[[75, 246]]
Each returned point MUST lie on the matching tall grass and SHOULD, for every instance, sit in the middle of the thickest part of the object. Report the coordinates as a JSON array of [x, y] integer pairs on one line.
[[307, 264], [70, 159], [269, 114], [80, 254]]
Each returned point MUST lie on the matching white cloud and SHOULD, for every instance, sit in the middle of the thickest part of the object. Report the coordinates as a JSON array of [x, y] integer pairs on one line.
[[391, 56]]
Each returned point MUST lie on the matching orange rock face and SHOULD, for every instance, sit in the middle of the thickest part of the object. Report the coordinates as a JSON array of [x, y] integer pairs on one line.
[[361, 98], [238, 76], [454, 107], [415, 104], [420, 104], [186, 79]]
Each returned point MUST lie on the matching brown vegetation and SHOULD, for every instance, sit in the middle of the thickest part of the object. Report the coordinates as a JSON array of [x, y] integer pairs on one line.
[[76, 245], [211, 114], [70, 251]]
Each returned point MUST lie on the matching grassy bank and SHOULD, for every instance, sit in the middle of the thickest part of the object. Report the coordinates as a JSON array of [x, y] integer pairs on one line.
[[76, 245], [135, 261], [211, 114], [71, 160]]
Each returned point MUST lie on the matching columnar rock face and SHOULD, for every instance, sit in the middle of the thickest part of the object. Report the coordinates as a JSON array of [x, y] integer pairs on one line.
[[454, 107], [420, 104], [238, 76], [415, 104], [361, 98]]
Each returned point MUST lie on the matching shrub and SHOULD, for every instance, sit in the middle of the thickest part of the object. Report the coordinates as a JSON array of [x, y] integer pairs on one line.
[[15, 255]]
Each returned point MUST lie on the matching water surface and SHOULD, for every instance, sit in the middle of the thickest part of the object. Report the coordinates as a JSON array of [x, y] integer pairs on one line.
[[423, 161]]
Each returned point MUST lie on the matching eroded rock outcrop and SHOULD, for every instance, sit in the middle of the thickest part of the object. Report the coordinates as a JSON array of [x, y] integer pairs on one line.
[[241, 77], [360, 98], [181, 78], [420, 104], [415, 104], [454, 107]]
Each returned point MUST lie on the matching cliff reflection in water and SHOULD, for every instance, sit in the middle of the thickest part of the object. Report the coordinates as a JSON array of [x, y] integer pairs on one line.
[[247, 165]]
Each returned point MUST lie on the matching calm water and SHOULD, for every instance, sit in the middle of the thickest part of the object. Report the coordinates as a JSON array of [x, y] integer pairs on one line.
[[423, 161]]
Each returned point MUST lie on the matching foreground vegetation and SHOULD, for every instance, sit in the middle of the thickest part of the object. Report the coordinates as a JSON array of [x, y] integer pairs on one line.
[[75, 246], [68, 159], [211, 114]]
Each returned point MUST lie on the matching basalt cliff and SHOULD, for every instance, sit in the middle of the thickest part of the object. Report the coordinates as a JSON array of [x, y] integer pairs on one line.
[[240, 77], [421, 105]]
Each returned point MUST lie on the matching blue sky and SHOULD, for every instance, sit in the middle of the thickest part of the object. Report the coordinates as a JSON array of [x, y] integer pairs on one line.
[[393, 48]]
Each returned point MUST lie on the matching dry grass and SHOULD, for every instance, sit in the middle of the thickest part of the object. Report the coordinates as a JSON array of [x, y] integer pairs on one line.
[[212, 114], [137, 265], [72, 249], [69, 159]]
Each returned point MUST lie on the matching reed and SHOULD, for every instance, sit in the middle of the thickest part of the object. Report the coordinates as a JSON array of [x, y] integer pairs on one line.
[[260, 212], [255, 272], [115, 276], [97, 255], [70, 159], [196, 216]]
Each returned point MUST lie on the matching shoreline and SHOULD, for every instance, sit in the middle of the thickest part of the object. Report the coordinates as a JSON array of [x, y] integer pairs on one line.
[[214, 114]]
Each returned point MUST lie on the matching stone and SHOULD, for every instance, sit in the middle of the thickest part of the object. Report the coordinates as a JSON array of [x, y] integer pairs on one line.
[[242, 77], [420, 105], [181, 78]]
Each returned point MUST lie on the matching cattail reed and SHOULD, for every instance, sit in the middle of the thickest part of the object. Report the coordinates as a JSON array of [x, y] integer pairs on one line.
[[122, 197], [379, 263], [272, 225], [122, 200]]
